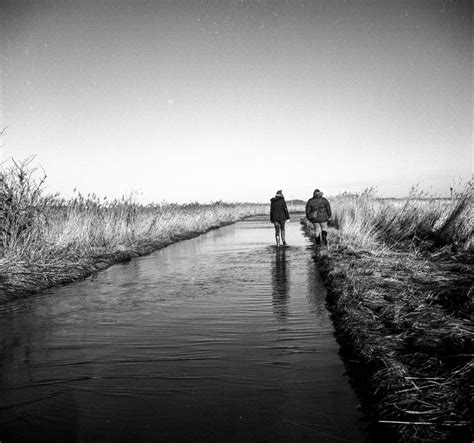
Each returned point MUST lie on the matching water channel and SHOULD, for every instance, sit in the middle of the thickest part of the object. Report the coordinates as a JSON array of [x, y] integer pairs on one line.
[[222, 337]]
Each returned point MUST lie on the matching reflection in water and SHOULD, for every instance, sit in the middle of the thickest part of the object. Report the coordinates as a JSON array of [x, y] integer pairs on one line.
[[280, 285], [316, 297]]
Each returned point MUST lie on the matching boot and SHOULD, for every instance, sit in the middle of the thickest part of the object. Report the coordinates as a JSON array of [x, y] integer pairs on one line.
[[283, 238], [277, 238], [325, 237], [318, 239]]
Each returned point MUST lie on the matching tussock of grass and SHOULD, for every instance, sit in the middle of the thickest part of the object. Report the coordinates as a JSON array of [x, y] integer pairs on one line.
[[402, 303], [46, 240]]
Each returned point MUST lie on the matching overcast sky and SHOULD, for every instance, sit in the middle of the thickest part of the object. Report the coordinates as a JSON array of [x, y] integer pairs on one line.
[[232, 100]]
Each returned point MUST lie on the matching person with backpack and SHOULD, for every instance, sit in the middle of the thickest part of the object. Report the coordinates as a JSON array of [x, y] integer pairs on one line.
[[278, 216], [318, 212]]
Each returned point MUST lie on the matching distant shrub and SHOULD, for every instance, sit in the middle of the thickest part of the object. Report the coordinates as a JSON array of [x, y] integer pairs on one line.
[[21, 199]]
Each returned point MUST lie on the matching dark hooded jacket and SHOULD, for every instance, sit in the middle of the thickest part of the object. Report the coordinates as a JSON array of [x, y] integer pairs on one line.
[[318, 210], [278, 209]]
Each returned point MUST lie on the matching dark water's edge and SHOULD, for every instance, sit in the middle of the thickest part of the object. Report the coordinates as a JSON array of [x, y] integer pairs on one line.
[[358, 370]]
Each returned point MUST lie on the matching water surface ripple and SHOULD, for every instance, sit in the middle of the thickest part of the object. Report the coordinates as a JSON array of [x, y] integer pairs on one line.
[[219, 338]]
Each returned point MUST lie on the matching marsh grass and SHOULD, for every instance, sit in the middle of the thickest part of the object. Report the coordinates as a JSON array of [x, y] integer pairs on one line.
[[399, 275], [419, 220], [46, 240]]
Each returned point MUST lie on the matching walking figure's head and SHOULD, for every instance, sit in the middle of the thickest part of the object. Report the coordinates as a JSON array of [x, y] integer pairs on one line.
[[279, 193], [317, 193]]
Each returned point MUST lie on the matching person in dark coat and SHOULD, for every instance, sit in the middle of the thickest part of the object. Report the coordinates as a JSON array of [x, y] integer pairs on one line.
[[318, 212], [278, 216]]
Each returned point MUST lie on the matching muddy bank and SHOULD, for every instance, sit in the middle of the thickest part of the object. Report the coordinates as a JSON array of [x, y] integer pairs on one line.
[[27, 278], [403, 321]]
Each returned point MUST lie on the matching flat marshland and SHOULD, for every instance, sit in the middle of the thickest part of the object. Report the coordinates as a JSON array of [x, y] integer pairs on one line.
[[46, 240], [399, 278], [398, 273]]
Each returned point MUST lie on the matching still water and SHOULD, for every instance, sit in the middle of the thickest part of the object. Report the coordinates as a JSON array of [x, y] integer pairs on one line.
[[219, 338]]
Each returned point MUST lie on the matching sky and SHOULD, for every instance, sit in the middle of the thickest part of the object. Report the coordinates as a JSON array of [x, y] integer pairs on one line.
[[232, 100]]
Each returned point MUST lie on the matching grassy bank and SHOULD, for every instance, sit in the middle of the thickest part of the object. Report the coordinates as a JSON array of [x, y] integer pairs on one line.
[[46, 240], [400, 289]]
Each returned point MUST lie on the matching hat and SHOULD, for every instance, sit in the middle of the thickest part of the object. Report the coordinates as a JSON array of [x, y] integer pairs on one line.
[[279, 192], [317, 191]]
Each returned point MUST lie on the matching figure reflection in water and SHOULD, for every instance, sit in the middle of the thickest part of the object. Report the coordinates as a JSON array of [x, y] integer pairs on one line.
[[280, 285]]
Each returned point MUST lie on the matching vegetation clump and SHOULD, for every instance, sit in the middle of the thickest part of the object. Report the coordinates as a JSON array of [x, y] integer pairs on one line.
[[400, 285]]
